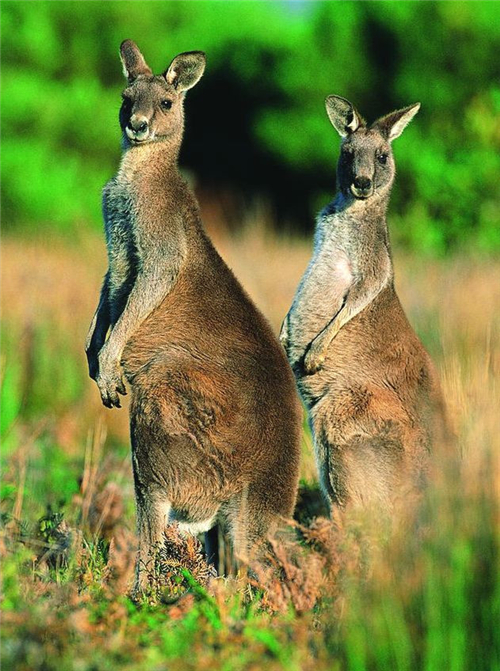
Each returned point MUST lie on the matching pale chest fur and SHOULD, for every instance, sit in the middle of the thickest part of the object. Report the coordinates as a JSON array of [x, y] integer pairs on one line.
[[348, 252], [320, 294]]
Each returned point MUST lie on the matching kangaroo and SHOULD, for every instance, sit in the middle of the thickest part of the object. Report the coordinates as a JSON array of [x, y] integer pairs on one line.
[[369, 385], [215, 420]]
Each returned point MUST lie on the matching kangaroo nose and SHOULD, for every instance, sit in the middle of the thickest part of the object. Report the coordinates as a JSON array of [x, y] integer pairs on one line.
[[139, 125], [362, 183], [137, 128]]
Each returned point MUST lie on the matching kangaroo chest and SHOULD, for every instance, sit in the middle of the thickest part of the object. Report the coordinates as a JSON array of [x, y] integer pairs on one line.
[[333, 268]]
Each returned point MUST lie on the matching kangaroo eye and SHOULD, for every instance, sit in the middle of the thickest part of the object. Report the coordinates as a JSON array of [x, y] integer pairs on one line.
[[166, 104], [382, 158]]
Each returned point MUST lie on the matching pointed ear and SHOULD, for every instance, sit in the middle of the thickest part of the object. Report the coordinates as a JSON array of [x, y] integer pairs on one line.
[[344, 117], [392, 125], [133, 61], [186, 70]]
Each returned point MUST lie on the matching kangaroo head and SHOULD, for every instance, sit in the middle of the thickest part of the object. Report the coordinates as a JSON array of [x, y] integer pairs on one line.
[[366, 164], [152, 107]]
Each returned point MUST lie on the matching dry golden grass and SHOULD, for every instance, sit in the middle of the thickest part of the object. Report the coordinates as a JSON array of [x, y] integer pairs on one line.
[[453, 304], [49, 292]]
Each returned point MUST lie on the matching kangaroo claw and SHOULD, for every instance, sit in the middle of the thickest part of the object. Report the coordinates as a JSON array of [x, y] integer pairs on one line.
[[313, 361]]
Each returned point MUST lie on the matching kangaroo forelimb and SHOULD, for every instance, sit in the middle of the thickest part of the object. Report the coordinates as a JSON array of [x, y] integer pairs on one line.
[[284, 331], [98, 330], [153, 283], [356, 300]]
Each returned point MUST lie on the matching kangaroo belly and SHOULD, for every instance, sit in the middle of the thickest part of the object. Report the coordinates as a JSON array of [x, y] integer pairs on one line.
[[208, 320], [208, 357], [203, 432], [377, 347]]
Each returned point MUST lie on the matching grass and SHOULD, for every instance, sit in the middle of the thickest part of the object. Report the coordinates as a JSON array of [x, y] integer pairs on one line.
[[354, 594]]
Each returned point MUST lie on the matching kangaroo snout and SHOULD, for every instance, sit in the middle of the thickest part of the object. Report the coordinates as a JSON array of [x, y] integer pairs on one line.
[[137, 128], [362, 187]]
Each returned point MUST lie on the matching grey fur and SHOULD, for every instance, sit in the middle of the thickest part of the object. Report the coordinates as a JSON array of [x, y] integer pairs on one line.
[[372, 395], [215, 420]]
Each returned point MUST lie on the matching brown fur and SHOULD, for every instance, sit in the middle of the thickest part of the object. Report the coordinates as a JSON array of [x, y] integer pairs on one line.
[[380, 406], [215, 421], [373, 396]]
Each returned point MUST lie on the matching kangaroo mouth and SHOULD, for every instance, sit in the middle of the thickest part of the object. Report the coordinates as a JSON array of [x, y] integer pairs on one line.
[[135, 141], [361, 194], [137, 137]]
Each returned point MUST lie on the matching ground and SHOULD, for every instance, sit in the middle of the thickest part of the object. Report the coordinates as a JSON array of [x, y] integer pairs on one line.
[[350, 593]]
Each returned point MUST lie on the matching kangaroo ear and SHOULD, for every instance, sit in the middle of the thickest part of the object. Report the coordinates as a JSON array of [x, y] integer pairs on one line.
[[133, 61], [344, 117], [392, 125], [186, 70]]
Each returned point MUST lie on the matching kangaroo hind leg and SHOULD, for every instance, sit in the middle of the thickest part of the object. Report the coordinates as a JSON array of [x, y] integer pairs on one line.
[[153, 512], [250, 522]]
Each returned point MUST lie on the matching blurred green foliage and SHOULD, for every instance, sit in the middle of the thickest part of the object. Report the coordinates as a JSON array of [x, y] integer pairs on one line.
[[61, 79]]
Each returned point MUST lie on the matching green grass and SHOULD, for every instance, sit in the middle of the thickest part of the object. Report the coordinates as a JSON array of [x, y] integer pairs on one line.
[[356, 593]]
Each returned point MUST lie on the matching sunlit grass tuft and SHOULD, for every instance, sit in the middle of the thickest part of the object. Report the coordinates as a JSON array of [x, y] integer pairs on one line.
[[355, 593]]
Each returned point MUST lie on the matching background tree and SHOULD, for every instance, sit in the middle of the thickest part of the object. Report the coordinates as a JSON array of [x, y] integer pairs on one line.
[[256, 124]]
